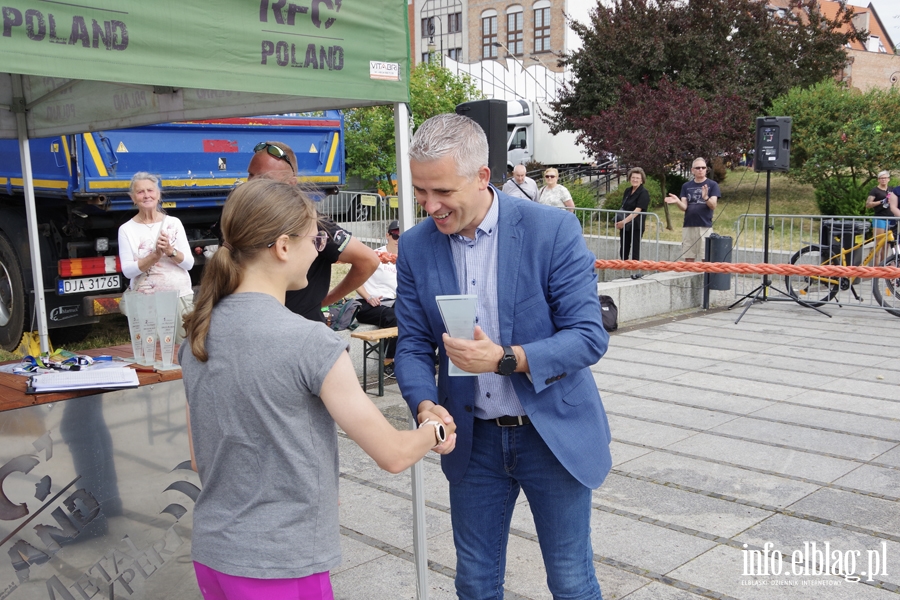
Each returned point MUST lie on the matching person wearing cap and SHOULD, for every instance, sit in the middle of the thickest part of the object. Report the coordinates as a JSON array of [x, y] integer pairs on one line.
[[378, 293], [276, 160]]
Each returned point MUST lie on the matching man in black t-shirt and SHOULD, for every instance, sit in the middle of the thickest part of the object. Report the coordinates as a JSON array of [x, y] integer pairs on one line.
[[698, 201], [277, 160]]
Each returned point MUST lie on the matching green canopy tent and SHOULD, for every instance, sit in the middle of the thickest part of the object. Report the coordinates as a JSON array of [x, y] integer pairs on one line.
[[103, 64]]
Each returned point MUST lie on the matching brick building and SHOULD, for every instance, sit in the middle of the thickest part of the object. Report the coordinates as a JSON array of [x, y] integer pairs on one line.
[[870, 64], [531, 31], [874, 63], [510, 48]]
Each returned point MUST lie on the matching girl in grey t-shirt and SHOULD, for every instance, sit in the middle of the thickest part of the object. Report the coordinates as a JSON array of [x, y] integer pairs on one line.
[[265, 388]]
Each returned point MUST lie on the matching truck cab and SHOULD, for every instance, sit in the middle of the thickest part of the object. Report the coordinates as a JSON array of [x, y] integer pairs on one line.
[[520, 133]]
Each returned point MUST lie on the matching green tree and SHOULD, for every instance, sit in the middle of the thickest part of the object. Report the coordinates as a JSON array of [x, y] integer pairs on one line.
[[714, 47], [369, 132], [840, 139], [656, 128]]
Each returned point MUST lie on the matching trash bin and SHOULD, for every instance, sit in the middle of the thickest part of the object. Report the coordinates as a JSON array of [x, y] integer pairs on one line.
[[718, 249], [841, 234]]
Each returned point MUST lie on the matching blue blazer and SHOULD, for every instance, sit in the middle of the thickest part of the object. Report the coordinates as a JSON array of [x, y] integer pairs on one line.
[[547, 304]]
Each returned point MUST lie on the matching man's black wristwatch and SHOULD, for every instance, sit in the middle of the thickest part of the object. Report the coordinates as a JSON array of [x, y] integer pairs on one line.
[[507, 364]]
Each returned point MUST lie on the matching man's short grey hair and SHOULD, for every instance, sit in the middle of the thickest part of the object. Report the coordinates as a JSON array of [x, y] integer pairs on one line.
[[520, 167], [456, 136]]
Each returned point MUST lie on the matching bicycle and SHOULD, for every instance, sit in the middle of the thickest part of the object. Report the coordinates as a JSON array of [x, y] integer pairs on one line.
[[815, 290]]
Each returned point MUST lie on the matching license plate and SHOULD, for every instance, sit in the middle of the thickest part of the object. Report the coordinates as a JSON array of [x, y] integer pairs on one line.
[[102, 283]]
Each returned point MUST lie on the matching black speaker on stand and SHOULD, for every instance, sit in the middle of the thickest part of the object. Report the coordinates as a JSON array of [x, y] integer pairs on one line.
[[772, 153], [491, 116]]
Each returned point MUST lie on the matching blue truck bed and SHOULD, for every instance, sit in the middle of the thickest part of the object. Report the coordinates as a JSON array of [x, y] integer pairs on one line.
[[81, 194]]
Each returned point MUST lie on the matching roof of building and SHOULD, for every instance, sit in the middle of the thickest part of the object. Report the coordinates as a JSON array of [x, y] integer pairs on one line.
[[864, 17]]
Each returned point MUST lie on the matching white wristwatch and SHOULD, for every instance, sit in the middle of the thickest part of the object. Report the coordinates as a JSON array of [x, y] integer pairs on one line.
[[440, 434]]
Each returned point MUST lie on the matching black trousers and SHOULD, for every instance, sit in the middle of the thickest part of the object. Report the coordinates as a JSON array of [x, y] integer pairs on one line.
[[381, 317], [630, 240]]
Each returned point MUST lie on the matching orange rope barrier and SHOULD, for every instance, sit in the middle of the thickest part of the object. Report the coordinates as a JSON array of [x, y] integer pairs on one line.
[[747, 268]]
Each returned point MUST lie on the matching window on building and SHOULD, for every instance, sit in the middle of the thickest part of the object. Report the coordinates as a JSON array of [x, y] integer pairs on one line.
[[488, 36], [515, 31], [428, 27], [455, 53], [541, 29], [454, 23]]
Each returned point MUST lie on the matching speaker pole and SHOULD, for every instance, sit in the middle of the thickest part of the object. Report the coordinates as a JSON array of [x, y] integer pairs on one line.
[[772, 153]]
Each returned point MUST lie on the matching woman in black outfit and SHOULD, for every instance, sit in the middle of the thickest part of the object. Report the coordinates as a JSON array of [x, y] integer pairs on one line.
[[630, 221]]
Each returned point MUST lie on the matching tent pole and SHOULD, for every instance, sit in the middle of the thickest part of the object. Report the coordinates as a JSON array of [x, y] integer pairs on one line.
[[30, 210], [407, 220], [402, 132]]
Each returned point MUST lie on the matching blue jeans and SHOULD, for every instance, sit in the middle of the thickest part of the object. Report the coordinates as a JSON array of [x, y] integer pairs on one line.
[[481, 507]]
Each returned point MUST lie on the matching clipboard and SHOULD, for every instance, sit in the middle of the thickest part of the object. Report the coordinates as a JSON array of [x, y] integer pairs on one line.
[[65, 381]]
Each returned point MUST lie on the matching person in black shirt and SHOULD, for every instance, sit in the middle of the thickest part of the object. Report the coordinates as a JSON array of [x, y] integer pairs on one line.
[[630, 222], [698, 200], [885, 212], [277, 161]]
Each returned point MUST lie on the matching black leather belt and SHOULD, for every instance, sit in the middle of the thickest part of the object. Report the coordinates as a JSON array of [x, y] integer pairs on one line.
[[511, 421]]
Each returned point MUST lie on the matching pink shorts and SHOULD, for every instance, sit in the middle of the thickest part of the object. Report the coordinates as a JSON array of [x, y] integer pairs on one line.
[[219, 586]]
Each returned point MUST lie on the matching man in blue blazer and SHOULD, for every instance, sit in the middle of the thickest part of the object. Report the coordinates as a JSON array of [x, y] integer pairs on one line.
[[531, 418]]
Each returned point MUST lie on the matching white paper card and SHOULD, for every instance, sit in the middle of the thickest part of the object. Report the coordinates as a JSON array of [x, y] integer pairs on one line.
[[458, 313]]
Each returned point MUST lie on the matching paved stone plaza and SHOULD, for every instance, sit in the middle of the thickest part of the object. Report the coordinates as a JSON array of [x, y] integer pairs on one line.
[[780, 432]]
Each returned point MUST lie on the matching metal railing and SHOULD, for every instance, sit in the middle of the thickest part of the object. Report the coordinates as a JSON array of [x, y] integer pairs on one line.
[[598, 226], [817, 240]]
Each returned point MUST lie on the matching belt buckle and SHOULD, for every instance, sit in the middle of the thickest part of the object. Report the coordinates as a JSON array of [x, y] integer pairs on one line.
[[518, 421]]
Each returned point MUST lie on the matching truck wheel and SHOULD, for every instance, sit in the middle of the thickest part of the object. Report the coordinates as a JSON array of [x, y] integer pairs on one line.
[[12, 297]]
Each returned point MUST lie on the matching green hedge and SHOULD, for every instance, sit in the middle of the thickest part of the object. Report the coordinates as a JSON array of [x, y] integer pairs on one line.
[[841, 197]]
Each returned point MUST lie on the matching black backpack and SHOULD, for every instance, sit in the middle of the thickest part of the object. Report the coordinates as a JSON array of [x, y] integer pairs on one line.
[[609, 312], [343, 314]]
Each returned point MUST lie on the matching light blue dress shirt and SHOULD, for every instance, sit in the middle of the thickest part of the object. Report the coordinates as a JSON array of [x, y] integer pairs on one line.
[[476, 274]]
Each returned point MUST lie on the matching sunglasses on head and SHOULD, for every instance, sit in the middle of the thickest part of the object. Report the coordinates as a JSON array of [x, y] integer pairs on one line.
[[273, 151], [395, 234]]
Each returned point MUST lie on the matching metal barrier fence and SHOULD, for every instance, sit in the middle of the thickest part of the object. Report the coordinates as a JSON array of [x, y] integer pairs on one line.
[[598, 225], [358, 206], [820, 240]]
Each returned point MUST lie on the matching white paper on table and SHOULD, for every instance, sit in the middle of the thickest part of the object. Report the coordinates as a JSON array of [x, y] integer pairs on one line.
[[458, 313]]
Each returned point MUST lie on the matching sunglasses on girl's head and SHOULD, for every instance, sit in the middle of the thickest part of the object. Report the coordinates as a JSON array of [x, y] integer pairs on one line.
[[395, 235], [273, 151]]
